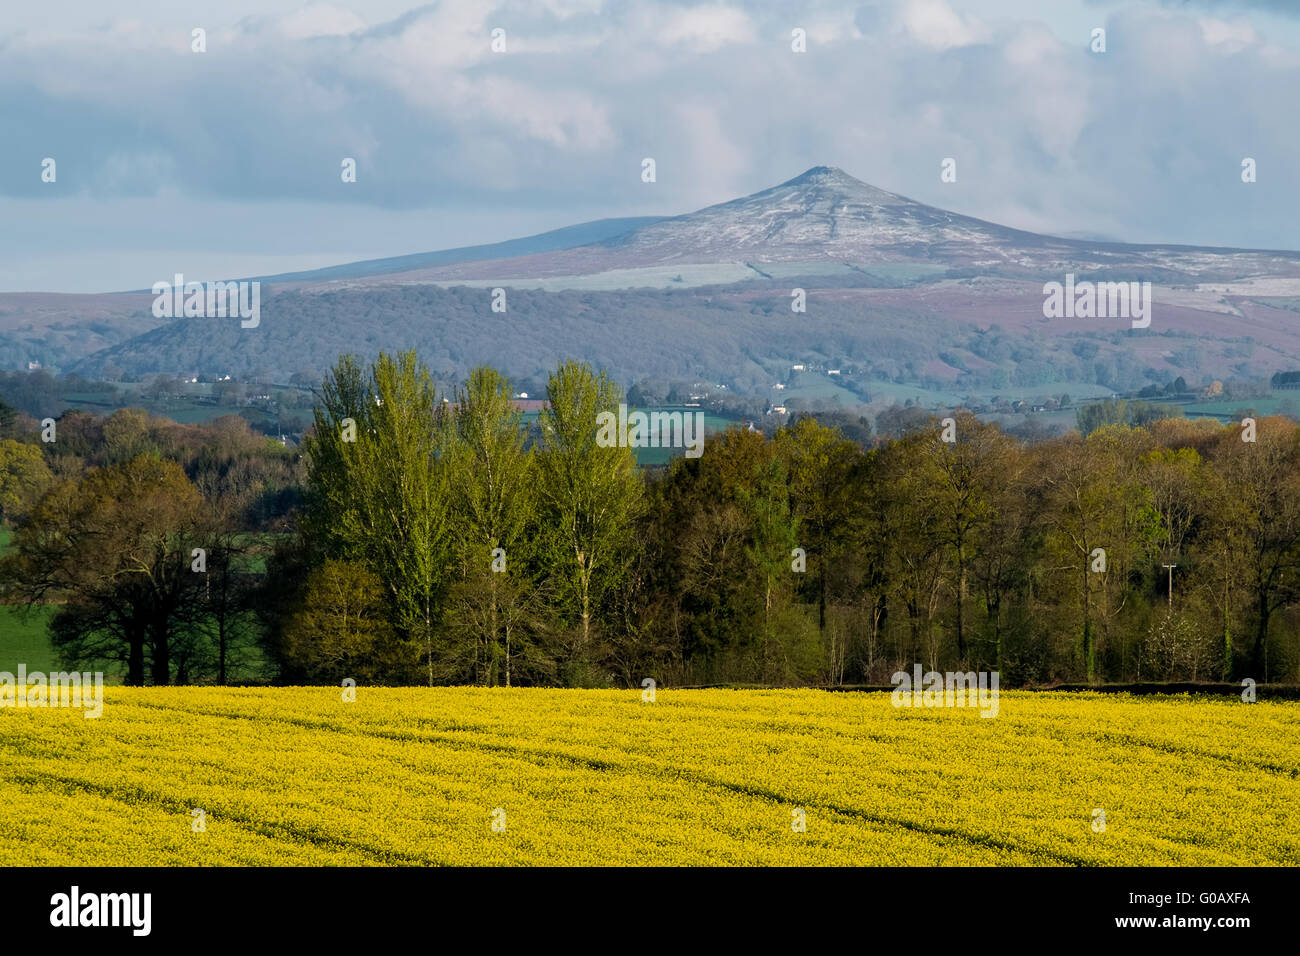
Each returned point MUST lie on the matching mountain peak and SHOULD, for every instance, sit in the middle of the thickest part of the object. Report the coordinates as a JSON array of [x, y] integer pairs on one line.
[[828, 183], [823, 174]]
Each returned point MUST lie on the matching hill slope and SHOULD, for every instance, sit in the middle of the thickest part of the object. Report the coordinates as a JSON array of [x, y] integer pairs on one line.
[[825, 216]]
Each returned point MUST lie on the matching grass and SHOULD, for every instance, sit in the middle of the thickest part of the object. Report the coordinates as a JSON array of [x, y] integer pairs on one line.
[[299, 776], [26, 641], [714, 425], [1276, 403], [651, 277]]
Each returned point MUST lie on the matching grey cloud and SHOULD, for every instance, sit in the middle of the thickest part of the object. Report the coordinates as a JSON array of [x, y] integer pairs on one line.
[[1142, 143], [1281, 7]]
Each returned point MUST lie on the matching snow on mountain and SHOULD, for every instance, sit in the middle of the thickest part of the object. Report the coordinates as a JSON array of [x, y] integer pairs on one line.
[[827, 216]]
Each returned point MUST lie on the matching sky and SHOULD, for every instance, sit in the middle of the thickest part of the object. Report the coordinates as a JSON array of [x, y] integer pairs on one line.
[[228, 162]]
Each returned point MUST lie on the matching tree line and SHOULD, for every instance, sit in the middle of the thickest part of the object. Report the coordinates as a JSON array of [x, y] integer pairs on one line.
[[427, 538]]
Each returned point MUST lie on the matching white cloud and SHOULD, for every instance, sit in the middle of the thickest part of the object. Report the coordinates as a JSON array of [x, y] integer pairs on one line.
[[1229, 36], [318, 20], [716, 162], [935, 24], [702, 29]]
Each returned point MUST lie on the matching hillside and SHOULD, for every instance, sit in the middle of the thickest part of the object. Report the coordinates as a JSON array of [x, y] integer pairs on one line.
[[825, 217]]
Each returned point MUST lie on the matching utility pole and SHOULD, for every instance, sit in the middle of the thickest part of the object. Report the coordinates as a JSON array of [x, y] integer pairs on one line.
[[1171, 583]]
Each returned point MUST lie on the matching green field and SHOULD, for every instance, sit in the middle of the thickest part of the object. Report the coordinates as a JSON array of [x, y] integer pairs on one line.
[[1276, 403], [25, 641], [714, 425], [300, 776]]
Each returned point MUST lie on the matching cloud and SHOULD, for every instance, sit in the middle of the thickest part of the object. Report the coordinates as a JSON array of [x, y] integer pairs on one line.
[[1281, 7], [701, 29], [318, 20], [1143, 142], [717, 164], [935, 24], [1232, 36]]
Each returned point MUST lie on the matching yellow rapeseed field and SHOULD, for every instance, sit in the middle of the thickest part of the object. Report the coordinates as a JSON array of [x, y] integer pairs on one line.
[[420, 776]]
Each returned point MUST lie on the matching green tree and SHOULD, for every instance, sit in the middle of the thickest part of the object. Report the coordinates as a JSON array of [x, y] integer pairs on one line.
[[376, 491], [764, 500], [1097, 513], [115, 546], [819, 464], [1264, 476], [967, 474], [589, 496], [491, 496], [340, 628], [1094, 416], [916, 548], [24, 476]]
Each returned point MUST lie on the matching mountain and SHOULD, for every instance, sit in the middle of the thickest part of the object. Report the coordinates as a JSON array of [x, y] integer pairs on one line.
[[57, 329], [902, 297], [827, 217], [565, 238]]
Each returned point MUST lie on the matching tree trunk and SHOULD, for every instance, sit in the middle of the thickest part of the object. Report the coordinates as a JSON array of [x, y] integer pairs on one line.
[[821, 599], [161, 657], [1227, 635], [495, 644], [961, 600], [135, 659], [221, 646], [1261, 633], [1087, 620]]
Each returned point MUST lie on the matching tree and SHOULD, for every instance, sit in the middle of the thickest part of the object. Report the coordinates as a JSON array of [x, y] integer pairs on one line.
[[1099, 524], [968, 472], [376, 493], [24, 475], [764, 500], [127, 435], [1264, 476], [588, 494], [915, 546], [1094, 416], [340, 629], [115, 546], [228, 589], [490, 491], [502, 622], [819, 464], [8, 420], [1008, 552]]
